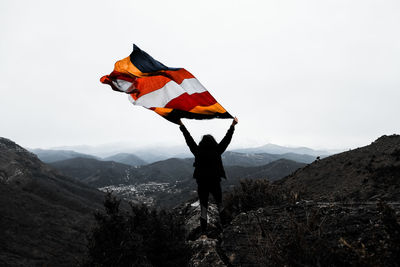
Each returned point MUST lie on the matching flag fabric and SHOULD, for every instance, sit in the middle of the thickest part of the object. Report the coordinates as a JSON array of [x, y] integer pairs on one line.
[[173, 93]]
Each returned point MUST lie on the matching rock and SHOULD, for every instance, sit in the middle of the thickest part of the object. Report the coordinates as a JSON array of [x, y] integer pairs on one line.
[[191, 213], [244, 238], [310, 234], [205, 253], [205, 249]]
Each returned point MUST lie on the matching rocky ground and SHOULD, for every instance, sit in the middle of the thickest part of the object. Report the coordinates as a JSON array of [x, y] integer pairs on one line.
[[343, 210], [301, 234]]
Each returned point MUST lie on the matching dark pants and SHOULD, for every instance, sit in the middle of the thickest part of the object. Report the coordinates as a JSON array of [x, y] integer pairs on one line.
[[204, 188]]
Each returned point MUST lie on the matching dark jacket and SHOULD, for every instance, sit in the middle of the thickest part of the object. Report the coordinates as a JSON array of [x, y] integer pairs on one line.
[[208, 162]]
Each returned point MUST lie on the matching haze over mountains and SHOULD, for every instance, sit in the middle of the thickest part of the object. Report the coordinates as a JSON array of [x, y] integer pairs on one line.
[[276, 149], [157, 153], [169, 181]]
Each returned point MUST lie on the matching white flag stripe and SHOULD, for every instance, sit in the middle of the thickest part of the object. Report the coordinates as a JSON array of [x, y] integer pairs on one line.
[[192, 86], [122, 85], [169, 91]]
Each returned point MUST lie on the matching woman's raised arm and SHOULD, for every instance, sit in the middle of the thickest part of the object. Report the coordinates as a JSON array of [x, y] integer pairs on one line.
[[188, 138]]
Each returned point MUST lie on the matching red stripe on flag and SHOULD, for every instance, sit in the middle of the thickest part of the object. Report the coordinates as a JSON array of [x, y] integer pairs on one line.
[[187, 102], [178, 75], [118, 75]]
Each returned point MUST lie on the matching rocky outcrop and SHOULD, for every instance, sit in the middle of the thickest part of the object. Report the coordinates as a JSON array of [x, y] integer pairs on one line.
[[191, 213], [205, 253], [244, 239], [306, 234], [205, 249]]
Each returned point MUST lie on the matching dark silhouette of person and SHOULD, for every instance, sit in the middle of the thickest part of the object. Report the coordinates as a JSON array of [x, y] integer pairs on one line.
[[208, 168]]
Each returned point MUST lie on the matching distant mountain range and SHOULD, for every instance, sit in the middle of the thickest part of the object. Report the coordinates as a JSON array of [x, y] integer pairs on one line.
[[157, 153], [276, 149], [229, 157], [168, 180], [99, 173], [174, 174]]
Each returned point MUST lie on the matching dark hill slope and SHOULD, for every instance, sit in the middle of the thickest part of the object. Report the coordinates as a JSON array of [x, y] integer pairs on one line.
[[98, 173], [365, 173], [44, 216], [271, 171], [169, 170], [103, 173]]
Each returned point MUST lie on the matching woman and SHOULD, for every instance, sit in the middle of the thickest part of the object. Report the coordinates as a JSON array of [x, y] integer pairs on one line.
[[208, 168]]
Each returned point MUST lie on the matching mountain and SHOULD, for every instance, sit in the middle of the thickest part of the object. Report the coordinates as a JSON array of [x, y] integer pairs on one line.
[[44, 216], [169, 170], [98, 173], [105, 173], [149, 154], [272, 171], [231, 158], [49, 155], [126, 158], [367, 173], [164, 183], [160, 152], [276, 149]]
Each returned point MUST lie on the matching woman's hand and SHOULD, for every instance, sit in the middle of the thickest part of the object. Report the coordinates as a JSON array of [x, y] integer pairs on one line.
[[235, 121]]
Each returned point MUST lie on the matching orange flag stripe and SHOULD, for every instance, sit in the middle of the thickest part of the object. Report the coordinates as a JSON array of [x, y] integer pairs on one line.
[[208, 109], [125, 66]]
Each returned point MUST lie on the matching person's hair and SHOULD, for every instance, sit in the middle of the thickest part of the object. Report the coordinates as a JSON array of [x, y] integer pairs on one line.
[[208, 141]]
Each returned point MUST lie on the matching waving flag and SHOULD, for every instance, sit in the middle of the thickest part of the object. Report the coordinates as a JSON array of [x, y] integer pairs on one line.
[[173, 93]]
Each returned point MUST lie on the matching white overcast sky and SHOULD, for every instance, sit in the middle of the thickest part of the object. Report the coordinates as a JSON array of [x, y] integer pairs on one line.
[[322, 74]]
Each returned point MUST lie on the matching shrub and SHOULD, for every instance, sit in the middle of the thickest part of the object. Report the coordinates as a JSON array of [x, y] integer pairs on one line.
[[254, 194], [333, 237], [141, 237]]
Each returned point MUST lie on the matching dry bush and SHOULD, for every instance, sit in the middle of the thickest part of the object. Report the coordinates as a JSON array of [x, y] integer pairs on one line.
[[141, 237], [330, 237], [254, 194]]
